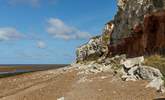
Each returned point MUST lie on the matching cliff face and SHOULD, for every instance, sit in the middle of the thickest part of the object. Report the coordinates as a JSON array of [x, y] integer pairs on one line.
[[96, 47], [131, 13], [138, 29], [91, 50]]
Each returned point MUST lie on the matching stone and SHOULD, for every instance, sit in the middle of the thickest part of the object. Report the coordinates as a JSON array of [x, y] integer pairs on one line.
[[107, 32], [61, 98], [133, 71], [141, 72], [103, 77], [130, 74], [83, 80], [146, 73], [149, 73], [128, 63], [106, 68], [122, 4], [158, 84], [129, 78]]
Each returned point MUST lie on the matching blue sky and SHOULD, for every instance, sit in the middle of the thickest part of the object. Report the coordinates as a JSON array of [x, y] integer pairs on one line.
[[48, 31]]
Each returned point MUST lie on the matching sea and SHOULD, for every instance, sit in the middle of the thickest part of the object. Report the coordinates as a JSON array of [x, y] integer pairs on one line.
[[24, 68]]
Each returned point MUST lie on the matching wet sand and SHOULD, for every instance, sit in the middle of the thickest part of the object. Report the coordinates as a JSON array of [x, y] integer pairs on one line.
[[10, 70]]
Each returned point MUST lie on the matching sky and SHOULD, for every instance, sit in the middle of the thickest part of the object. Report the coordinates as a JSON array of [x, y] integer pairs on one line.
[[49, 31]]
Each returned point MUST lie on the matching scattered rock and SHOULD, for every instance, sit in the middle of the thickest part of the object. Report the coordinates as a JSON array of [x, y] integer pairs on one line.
[[130, 75], [103, 77], [128, 63], [129, 78], [84, 79], [100, 90], [131, 69], [158, 84], [148, 73], [133, 73], [61, 98]]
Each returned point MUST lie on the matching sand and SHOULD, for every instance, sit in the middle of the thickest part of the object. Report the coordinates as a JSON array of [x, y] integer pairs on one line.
[[69, 85]]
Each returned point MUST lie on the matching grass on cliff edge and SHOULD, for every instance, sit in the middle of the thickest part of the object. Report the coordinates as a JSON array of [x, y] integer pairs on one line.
[[156, 61]]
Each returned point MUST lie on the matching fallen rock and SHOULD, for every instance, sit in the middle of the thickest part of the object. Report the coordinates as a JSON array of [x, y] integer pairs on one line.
[[93, 68], [83, 79], [129, 78], [128, 63], [141, 72], [145, 73], [148, 73], [133, 70], [61, 98], [158, 84]]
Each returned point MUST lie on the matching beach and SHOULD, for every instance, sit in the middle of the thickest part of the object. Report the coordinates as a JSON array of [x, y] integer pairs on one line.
[[68, 84]]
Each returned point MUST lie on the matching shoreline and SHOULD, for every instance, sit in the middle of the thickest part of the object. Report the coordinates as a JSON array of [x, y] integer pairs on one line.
[[12, 70]]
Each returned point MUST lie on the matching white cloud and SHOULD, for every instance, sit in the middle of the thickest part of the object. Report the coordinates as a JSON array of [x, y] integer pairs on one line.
[[9, 33], [41, 44], [58, 29]]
